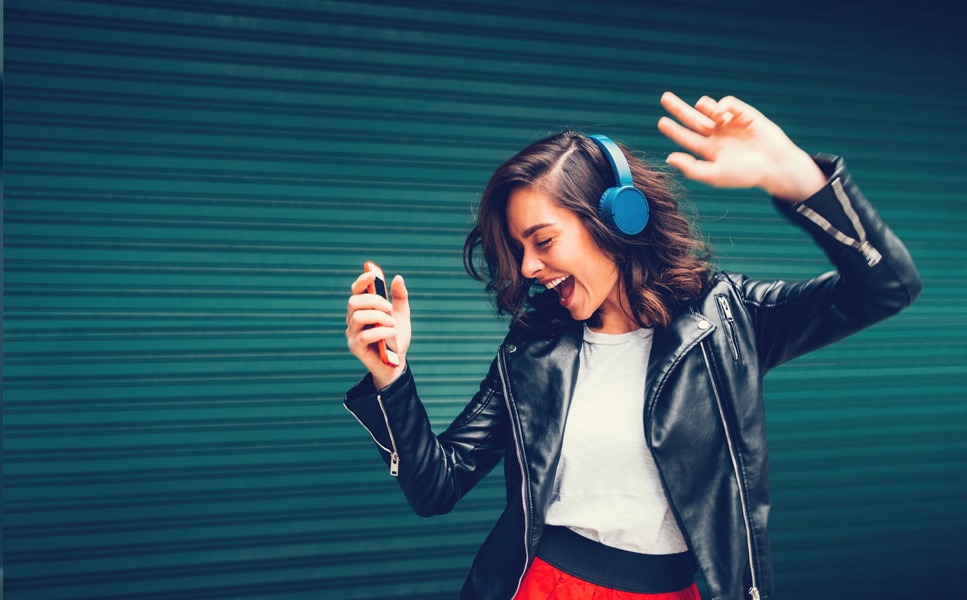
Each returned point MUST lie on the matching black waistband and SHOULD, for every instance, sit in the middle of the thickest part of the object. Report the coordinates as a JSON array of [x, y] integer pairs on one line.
[[615, 568]]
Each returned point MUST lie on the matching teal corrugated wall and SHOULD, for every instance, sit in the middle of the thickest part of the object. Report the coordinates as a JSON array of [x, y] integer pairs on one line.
[[191, 186]]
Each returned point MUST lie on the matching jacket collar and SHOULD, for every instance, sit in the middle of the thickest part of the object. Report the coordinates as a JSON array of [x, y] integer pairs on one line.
[[669, 345], [542, 372]]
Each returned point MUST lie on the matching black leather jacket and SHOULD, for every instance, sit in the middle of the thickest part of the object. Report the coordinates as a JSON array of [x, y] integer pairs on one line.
[[704, 418]]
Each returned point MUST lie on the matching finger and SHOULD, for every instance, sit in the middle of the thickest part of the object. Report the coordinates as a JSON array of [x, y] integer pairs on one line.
[[686, 138], [681, 161], [732, 110], [718, 112], [365, 318], [365, 300], [363, 344], [706, 105], [360, 309], [360, 333], [686, 114], [691, 167], [362, 282], [368, 337]]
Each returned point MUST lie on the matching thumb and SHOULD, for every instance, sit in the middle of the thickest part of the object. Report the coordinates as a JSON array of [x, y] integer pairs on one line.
[[401, 314], [401, 299]]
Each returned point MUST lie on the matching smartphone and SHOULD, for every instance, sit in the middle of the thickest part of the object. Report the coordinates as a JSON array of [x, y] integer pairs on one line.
[[387, 348]]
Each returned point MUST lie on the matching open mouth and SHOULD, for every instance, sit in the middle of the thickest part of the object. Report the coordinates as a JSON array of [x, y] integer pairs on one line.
[[564, 286]]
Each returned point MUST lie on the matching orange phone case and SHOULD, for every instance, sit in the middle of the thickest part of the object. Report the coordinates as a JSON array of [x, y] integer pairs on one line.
[[387, 353]]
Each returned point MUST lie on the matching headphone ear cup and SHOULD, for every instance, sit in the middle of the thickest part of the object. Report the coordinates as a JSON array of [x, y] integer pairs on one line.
[[624, 209]]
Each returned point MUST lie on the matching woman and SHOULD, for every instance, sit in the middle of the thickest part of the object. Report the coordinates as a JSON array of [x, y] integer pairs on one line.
[[626, 400]]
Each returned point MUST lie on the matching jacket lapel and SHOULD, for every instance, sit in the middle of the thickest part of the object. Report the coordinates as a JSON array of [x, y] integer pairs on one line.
[[541, 375], [669, 345]]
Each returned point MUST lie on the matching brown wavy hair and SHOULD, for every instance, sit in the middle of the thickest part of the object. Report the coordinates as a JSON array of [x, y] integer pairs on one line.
[[662, 268]]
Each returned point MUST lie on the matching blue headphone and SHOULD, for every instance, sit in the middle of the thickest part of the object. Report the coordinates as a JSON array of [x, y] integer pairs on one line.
[[623, 207]]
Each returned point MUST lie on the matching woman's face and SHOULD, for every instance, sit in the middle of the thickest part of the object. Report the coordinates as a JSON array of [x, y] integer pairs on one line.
[[559, 252]]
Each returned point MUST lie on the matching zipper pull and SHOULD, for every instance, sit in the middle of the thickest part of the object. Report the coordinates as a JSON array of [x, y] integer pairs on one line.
[[754, 593], [394, 464], [726, 309]]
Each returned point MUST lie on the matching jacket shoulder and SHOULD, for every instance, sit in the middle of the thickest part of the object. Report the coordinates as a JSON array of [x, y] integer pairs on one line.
[[723, 282]]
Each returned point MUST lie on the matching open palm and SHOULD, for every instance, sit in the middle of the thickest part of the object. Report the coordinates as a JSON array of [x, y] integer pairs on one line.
[[731, 144]]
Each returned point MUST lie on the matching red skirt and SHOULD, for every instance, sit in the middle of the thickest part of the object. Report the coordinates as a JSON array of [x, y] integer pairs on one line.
[[546, 582]]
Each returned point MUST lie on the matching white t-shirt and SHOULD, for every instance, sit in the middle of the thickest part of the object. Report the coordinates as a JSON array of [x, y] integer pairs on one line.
[[607, 486]]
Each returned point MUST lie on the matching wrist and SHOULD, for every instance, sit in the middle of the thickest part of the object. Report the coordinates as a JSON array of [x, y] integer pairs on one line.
[[798, 179], [384, 379]]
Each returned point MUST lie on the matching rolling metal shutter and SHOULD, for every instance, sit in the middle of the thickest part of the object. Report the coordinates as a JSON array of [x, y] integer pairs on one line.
[[191, 186]]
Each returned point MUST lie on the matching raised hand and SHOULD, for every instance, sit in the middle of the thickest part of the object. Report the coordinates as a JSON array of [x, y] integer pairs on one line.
[[731, 144]]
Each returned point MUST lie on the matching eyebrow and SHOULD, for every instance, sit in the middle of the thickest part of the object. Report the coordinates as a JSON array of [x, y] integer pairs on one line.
[[533, 229]]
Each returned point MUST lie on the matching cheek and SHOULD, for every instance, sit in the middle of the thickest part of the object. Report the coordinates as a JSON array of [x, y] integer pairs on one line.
[[603, 269], [600, 279]]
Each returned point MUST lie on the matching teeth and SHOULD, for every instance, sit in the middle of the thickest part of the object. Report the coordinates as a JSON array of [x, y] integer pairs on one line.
[[553, 284]]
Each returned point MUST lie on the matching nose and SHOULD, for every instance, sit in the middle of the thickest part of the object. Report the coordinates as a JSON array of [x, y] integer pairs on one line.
[[530, 265]]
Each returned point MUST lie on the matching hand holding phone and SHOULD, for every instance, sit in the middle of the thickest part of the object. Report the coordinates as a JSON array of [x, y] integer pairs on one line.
[[387, 348]]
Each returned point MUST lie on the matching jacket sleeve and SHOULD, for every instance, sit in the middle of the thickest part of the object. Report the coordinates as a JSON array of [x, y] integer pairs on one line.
[[875, 276], [433, 471]]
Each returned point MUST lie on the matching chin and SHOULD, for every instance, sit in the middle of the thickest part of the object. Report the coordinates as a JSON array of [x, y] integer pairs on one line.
[[582, 316]]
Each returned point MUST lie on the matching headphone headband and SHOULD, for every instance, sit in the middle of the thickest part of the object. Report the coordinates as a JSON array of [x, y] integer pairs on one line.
[[623, 207], [619, 164]]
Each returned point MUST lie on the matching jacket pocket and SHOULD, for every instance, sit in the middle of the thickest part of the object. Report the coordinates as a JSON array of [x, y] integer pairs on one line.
[[728, 319]]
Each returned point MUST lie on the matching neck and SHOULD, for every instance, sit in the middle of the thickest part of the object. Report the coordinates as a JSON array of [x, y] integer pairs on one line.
[[614, 316], [613, 323]]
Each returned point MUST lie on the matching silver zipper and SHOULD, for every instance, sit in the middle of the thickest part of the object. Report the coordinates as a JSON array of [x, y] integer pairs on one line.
[[394, 467], [394, 457], [871, 254], [754, 590], [726, 309], [523, 473]]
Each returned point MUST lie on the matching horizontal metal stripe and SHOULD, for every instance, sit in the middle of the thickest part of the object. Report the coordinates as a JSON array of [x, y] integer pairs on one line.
[[342, 68], [131, 324], [216, 520], [230, 352], [220, 274], [252, 571], [177, 362], [519, 100], [198, 476], [308, 375], [76, 222], [366, 118], [282, 493], [65, 156], [190, 249], [321, 115], [288, 26], [379, 30], [42, 290], [534, 109], [60, 151], [141, 173], [352, 129], [246, 338], [407, 580], [255, 543], [359, 61]]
